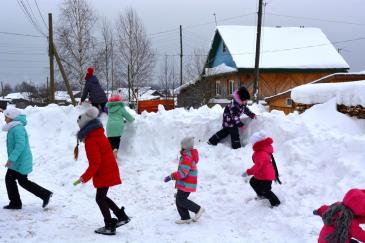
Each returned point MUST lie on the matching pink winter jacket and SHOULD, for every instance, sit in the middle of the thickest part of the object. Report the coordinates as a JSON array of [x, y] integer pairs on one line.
[[355, 200], [263, 168]]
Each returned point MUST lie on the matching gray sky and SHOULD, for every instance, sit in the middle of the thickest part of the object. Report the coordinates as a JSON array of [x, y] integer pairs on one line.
[[25, 58]]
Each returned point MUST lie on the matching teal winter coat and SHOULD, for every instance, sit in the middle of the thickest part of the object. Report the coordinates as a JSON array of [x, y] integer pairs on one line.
[[116, 119], [18, 148]]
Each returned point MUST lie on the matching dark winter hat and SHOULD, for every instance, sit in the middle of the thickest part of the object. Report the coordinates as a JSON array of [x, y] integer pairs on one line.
[[243, 93], [90, 114], [187, 143]]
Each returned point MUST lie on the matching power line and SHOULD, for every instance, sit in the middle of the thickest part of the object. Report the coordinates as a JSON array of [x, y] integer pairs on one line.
[[316, 19], [19, 53], [44, 22], [20, 34], [28, 12]]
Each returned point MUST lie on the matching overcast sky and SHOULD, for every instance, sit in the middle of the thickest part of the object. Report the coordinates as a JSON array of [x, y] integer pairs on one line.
[[25, 58]]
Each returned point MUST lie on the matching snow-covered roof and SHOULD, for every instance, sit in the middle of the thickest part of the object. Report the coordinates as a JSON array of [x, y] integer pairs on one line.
[[222, 68], [63, 95], [185, 85], [144, 93], [346, 93], [17, 96], [284, 47]]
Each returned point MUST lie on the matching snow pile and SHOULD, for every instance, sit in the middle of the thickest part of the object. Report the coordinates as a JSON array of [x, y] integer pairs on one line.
[[284, 47], [346, 93], [17, 96], [318, 162]]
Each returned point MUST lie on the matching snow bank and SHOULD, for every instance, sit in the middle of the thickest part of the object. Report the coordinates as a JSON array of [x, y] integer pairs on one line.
[[318, 162]]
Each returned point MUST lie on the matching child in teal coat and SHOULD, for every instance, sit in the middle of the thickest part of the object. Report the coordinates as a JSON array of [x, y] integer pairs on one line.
[[19, 161], [118, 115]]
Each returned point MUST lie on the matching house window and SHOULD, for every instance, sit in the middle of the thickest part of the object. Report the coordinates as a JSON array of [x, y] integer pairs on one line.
[[289, 102], [231, 86], [224, 47], [218, 88]]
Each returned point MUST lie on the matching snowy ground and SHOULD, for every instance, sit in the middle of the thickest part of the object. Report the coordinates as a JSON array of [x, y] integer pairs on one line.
[[320, 155]]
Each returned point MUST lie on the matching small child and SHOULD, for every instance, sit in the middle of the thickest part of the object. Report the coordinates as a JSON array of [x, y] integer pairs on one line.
[[263, 171], [231, 118], [186, 180], [103, 168], [342, 219], [19, 161], [118, 115]]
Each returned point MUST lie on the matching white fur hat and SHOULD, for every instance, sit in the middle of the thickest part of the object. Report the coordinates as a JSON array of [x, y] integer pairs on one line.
[[258, 136], [187, 143], [12, 113], [90, 114]]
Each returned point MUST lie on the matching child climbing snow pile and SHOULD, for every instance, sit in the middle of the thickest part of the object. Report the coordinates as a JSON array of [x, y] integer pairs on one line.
[[264, 170], [186, 181]]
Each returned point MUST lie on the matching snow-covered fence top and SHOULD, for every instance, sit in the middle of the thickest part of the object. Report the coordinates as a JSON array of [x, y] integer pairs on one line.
[[348, 93]]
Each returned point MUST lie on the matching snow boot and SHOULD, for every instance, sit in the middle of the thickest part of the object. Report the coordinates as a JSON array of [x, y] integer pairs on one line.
[[122, 218], [183, 221], [46, 199], [13, 206], [109, 228], [198, 214]]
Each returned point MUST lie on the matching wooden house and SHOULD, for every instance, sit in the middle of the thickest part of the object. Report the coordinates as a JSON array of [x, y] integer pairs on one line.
[[283, 101], [290, 56]]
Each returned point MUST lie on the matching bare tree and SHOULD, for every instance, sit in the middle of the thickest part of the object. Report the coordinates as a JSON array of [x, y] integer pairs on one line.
[[168, 78], [74, 37], [6, 89], [135, 52], [195, 64]]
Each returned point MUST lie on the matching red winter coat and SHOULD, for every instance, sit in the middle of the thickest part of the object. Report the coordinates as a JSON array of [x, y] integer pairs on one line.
[[263, 168], [103, 167], [354, 200]]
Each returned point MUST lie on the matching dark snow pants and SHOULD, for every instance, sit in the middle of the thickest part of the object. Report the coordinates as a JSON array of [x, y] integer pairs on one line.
[[100, 106], [263, 189], [106, 204], [224, 132], [184, 205], [12, 188]]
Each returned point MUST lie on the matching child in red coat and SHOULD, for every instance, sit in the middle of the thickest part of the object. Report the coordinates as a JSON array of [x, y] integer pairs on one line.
[[263, 170], [103, 169], [342, 219], [186, 181]]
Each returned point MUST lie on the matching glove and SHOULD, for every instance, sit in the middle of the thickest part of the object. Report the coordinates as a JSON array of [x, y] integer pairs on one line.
[[75, 183], [167, 179], [315, 212], [244, 174]]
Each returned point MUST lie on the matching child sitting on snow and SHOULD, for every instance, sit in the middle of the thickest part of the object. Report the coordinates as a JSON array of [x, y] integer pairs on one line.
[[117, 116], [342, 219], [103, 168], [231, 118], [264, 170], [186, 181]]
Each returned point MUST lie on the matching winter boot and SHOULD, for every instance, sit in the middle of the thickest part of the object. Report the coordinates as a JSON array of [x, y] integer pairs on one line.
[[122, 218], [109, 228], [183, 221], [46, 199], [13, 206], [198, 214]]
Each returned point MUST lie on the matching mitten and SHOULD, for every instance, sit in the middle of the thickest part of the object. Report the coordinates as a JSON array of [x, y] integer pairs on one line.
[[167, 179], [315, 212], [75, 183]]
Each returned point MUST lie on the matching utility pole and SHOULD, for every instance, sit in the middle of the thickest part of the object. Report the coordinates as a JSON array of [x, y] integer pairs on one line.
[[129, 85], [112, 57], [181, 57], [215, 19], [256, 85], [51, 59], [2, 89]]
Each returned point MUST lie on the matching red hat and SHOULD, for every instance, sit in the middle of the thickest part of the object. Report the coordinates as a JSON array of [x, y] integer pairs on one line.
[[89, 73], [115, 98]]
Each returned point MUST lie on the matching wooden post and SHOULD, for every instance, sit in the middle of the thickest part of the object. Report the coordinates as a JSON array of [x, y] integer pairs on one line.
[[64, 76], [129, 85], [51, 59], [256, 85], [181, 57]]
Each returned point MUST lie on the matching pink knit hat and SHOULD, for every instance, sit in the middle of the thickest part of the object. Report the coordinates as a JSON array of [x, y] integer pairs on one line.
[[115, 98]]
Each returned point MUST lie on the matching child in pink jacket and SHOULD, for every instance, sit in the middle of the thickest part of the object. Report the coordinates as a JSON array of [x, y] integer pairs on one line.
[[342, 219], [263, 171]]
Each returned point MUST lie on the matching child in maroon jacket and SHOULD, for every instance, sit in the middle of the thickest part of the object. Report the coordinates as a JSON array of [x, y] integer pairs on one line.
[[342, 219], [263, 171], [186, 178], [103, 169]]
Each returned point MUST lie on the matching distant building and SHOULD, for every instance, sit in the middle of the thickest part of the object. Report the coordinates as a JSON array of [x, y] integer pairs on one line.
[[290, 56]]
